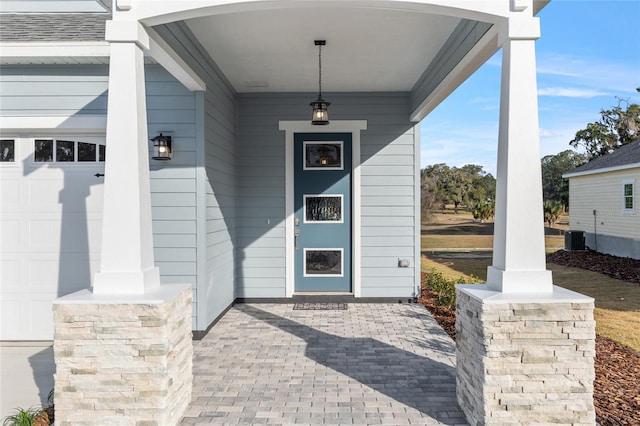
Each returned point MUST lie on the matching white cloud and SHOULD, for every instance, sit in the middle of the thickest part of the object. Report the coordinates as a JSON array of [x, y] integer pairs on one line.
[[598, 75], [569, 92]]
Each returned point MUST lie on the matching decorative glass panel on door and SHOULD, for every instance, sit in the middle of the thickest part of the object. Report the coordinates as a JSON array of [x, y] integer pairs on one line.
[[323, 155], [323, 263], [323, 208]]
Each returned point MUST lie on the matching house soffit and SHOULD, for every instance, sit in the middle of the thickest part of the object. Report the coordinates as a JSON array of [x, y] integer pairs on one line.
[[368, 50]]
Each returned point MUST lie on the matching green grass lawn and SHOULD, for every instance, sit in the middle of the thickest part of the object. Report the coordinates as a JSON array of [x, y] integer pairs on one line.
[[617, 302]]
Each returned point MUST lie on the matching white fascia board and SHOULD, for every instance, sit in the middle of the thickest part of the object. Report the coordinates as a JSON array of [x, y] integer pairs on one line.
[[51, 6], [484, 49], [603, 170], [172, 62], [83, 123], [43, 49], [155, 12]]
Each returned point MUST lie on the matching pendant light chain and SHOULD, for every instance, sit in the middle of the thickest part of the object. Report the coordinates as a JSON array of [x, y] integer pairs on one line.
[[320, 70]]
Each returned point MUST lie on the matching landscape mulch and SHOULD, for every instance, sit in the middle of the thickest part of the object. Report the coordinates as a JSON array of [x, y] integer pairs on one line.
[[621, 268], [616, 391]]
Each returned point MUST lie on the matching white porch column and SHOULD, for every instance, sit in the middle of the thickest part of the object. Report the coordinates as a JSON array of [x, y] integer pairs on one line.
[[519, 264], [524, 349], [143, 328], [127, 264]]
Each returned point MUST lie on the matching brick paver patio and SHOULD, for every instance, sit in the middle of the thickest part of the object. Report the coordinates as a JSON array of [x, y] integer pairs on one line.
[[369, 364]]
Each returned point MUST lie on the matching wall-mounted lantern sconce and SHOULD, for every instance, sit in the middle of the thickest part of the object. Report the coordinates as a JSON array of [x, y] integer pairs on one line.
[[162, 147]]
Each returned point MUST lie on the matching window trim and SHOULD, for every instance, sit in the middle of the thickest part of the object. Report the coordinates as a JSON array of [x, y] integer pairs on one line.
[[304, 206], [304, 262], [15, 152], [626, 182], [307, 144], [76, 141]]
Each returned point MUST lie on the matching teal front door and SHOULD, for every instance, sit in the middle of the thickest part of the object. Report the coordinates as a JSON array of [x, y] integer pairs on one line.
[[322, 212]]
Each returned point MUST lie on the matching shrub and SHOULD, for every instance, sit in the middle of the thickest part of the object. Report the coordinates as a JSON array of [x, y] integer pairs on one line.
[[27, 417], [445, 289]]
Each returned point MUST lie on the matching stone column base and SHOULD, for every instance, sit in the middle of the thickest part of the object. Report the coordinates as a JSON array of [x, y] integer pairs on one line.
[[525, 359], [123, 360]]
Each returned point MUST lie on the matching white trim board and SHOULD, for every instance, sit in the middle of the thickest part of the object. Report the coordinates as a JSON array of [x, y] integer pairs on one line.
[[347, 126], [602, 170], [84, 123]]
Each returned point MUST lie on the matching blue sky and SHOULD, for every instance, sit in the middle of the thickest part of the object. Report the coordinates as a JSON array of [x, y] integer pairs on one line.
[[588, 54]]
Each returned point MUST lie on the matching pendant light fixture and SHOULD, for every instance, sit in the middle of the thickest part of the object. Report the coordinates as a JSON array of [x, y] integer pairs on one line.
[[320, 113]]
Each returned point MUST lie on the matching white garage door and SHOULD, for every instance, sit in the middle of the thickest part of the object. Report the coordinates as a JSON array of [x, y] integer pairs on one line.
[[50, 227]]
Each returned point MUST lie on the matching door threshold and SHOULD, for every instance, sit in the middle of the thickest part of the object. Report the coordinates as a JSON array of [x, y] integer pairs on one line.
[[323, 297]]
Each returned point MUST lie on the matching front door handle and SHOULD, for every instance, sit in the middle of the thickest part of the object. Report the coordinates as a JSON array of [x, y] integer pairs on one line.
[[296, 234]]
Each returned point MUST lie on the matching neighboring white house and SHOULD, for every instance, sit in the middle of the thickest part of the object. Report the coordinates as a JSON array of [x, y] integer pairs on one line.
[[603, 201]]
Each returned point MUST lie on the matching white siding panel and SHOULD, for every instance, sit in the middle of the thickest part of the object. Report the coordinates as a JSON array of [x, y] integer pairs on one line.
[[603, 192], [168, 199], [386, 191], [257, 291], [173, 185], [388, 231], [176, 268], [174, 240], [382, 180], [173, 227], [387, 200]]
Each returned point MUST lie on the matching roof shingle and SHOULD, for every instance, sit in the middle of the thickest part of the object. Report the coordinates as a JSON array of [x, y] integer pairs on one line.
[[625, 155], [25, 27]]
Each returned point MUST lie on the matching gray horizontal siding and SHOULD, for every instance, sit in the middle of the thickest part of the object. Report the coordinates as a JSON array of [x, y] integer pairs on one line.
[[216, 172], [53, 90], [76, 90], [388, 168], [171, 108]]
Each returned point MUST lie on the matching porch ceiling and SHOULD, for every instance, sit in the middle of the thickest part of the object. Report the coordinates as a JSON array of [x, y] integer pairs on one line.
[[367, 49]]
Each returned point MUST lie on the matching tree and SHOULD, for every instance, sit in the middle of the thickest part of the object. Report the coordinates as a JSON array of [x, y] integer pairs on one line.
[[457, 184], [428, 195], [618, 126], [552, 211], [484, 188], [432, 195], [554, 187], [484, 210], [464, 186]]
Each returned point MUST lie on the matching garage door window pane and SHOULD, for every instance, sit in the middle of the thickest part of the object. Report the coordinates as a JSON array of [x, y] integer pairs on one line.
[[102, 153], [43, 150], [86, 151], [65, 151], [7, 150]]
